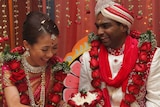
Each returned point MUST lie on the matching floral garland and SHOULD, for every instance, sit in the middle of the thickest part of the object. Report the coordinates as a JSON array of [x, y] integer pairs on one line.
[[147, 47], [12, 61]]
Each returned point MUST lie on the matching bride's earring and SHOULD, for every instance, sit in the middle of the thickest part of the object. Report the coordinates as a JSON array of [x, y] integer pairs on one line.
[[26, 54]]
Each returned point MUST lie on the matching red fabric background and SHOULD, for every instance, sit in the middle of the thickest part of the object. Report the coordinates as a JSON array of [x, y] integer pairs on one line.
[[70, 34]]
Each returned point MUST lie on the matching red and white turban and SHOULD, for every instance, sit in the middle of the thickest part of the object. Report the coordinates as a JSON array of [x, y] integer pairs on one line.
[[114, 11]]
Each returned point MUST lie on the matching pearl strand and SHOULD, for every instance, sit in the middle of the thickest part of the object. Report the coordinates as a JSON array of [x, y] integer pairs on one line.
[[42, 97], [42, 93], [28, 68]]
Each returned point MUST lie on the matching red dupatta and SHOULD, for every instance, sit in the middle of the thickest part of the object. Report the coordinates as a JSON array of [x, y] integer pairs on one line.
[[129, 60]]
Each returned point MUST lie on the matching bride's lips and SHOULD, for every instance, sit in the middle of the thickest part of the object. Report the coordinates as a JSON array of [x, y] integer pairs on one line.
[[45, 60]]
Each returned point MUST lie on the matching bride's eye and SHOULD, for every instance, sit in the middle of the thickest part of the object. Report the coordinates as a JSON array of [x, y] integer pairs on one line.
[[44, 49]]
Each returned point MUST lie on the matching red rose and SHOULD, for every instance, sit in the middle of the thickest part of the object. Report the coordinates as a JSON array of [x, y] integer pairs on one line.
[[130, 98], [96, 83], [146, 46], [14, 64], [58, 59], [137, 79], [135, 34], [95, 74], [60, 76], [5, 38], [124, 104], [57, 87], [22, 87], [24, 99], [16, 76], [93, 103], [1, 40], [140, 67], [143, 56], [95, 43], [55, 98], [55, 59], [93, 52], [50, 105], [72, 103], [5, 67], [94, 63], [19, 50], [133, 89]]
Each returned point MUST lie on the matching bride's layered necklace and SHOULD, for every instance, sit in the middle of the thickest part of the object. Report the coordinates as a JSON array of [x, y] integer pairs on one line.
[[30, 69]]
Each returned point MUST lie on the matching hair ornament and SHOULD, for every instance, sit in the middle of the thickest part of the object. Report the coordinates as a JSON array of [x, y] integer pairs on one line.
[[54, 26], [43, 21], [53, 37]]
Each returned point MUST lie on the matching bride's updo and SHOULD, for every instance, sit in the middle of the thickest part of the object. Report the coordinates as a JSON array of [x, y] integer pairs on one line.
[[36, 24]]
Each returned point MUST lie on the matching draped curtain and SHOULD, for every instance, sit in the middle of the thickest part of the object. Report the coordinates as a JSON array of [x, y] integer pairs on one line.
[[76, 18], [156, 19]]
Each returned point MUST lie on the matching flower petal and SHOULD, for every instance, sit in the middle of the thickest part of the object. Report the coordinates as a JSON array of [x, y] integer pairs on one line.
[[67, 93], [75, 68], [71, 81]]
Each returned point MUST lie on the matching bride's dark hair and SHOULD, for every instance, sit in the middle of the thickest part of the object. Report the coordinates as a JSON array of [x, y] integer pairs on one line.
[[36, 24]]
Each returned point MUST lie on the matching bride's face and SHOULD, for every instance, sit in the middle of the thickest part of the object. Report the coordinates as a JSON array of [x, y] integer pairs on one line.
[[43, 50]]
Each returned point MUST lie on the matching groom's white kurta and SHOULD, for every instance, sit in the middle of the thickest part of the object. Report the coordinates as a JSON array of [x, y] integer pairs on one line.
[[153, 82]]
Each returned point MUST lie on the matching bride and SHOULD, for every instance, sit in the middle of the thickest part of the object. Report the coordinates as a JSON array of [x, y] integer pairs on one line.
[[33, 74]]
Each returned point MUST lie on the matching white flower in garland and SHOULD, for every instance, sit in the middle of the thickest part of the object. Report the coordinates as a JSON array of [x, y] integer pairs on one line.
[[80, 100], [83, 98]]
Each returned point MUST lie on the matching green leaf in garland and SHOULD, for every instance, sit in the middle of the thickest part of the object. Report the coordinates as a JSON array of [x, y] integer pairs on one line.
[[61, 66], [6, 55], [92, 36], [148, 36]]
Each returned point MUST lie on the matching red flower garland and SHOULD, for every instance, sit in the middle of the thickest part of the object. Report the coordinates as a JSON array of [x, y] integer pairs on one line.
[[18, 77], [94, 64], [139, 72]]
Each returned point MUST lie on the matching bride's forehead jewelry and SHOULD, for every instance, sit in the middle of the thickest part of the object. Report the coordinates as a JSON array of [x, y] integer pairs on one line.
[[53, 37]]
